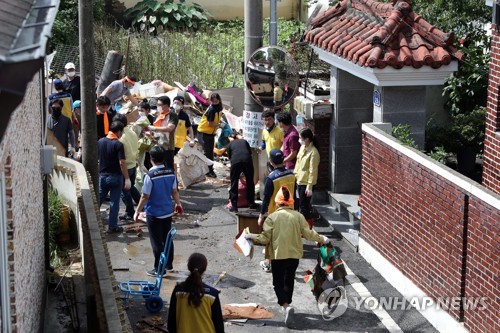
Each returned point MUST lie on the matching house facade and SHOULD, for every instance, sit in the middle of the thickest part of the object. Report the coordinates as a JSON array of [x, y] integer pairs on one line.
[[230, 9]]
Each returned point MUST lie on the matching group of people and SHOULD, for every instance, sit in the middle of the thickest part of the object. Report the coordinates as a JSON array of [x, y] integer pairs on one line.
[[292, 174]]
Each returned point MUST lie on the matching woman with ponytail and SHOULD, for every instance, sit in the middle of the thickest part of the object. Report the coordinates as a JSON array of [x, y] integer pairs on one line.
[[195, 306], [283, 231]]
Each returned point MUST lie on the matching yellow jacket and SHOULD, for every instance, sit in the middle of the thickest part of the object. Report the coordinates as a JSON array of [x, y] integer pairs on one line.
[[283, 230], [306, 167], [130, 142]]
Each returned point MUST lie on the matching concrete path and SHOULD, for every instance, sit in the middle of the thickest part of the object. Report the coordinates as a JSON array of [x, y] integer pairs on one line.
[[245, 282]]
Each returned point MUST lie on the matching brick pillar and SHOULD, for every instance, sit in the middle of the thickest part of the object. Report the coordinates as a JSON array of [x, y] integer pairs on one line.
[[491, 165], [321, 129]]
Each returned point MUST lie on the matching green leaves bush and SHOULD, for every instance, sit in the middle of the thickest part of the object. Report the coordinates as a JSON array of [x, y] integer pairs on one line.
[[154, 16]]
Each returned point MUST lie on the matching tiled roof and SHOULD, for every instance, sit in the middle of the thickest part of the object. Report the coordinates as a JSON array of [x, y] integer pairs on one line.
[[13, 14], [375, 34]]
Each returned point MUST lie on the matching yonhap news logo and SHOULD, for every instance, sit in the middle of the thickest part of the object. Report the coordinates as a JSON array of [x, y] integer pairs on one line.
[[333, 303]]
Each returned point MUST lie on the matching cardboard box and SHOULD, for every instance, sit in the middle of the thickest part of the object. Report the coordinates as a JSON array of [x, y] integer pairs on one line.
[[132, 116], [248, 219]]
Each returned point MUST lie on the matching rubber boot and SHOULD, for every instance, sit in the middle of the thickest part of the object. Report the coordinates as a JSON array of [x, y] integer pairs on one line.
[[310, 222]]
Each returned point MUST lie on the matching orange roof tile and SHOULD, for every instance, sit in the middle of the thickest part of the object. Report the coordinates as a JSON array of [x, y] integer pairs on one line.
[[375, 34]]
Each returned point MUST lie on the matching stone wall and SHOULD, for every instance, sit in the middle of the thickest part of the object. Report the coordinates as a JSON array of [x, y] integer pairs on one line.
[[434, 226], [20, 164]]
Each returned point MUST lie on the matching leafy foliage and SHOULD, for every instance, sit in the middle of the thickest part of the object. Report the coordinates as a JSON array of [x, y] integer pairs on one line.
[[211, 57], [65, 27], [402, 132], [154, 16], [55, 223]]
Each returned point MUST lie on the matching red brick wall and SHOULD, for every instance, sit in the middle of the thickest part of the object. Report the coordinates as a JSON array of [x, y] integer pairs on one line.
[[416, 218], [491, 166], [483, 268], [321, 130]]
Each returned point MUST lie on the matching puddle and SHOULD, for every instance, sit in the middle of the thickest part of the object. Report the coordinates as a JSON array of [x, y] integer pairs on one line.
[[130, 250]]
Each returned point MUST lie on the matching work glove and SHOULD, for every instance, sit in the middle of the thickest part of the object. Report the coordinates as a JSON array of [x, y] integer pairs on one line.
[[71, 151], [325, 240], [309, 193], [127, 185], [192, 143], [179, 210], [79, 155], [136, 216], [250, 236]]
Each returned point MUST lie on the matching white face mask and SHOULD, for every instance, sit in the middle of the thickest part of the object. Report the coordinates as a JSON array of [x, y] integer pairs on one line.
[[71, 74], [177, 107], [302, 142]]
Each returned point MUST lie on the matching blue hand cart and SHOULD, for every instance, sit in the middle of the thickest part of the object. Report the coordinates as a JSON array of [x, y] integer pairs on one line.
[[143, 288]]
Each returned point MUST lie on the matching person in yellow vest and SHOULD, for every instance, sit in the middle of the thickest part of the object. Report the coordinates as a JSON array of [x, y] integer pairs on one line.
[[272, 136], [277, 94], [306, 172], [209, 123], [278, 177], [194, 305], [183, 126]]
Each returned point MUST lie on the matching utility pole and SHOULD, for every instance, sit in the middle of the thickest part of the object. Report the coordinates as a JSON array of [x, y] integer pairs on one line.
[[253, 41], [273, 24], [87, 69]]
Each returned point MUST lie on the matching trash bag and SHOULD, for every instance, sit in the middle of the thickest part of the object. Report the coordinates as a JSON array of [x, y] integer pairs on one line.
[[193, 165]]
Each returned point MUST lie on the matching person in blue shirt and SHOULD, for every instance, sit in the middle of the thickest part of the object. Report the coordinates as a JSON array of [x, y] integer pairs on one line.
[[158, 189]]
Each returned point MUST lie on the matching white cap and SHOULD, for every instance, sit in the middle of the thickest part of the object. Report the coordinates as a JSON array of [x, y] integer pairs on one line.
[[69, 65]]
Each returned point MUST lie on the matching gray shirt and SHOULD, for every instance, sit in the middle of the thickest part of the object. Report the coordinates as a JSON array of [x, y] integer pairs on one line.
[[116, 90]]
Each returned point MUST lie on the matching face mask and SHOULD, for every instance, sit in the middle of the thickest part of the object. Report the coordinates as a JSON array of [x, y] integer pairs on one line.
[[302, 142], [177, 107], [71, 74], [56, 112]]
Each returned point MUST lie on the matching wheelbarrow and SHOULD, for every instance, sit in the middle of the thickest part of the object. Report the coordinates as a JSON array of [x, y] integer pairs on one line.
[[149, 290]]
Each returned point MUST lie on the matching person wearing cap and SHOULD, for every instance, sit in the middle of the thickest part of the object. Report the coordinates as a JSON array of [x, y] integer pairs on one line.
[[62, 127], [183, 126], [116, 89], [279, 176], [164, 129], [72, 82], [64, 96], [283, 231], [272, 135], [77, 112], [240, 155]]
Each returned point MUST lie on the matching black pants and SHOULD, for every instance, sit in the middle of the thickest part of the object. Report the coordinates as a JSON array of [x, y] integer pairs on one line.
[[305, 207], [158, 231], [208, 141], [236, 170], [169, 159], [284, 278]]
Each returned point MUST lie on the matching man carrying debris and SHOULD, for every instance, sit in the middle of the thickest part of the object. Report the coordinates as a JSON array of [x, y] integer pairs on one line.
[[164, 129], [118, 88], [160, 186]]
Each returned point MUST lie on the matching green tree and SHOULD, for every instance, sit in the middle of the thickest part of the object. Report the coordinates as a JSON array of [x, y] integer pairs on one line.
[[65, 27]]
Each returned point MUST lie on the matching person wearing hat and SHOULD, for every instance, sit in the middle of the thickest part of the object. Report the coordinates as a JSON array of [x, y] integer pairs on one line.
[[278, 177], [72, 82], [183, 126], [118, 88], [283, 231], [64, 96]]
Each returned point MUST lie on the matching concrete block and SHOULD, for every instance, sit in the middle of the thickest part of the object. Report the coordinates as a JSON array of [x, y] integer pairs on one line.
[[348, 136], [349, 117], [346, 175], [355, 98]]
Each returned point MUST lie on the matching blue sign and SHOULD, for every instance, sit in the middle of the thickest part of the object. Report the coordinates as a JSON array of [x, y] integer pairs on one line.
[[377, 101]]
